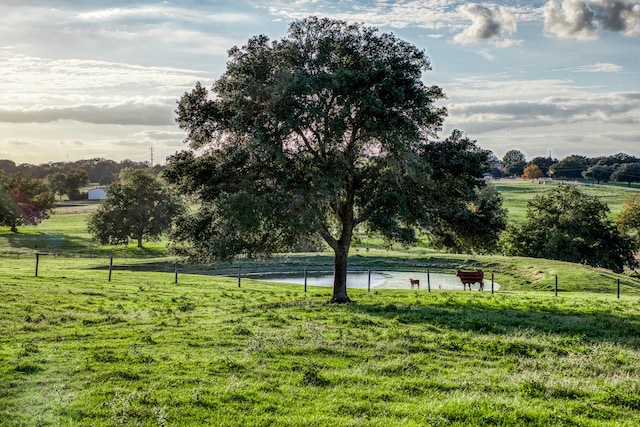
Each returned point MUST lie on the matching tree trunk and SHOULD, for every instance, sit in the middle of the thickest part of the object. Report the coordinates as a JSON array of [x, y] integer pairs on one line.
[[340, 275], [139, 241]]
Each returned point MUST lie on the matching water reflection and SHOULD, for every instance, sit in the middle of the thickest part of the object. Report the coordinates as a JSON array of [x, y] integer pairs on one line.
[[378, 280]]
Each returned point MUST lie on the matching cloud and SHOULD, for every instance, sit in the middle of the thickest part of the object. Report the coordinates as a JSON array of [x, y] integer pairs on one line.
[[600, 67], [580, 20], [487, 24], [615, 108], [618, 16], [135, 111], [572, 19]]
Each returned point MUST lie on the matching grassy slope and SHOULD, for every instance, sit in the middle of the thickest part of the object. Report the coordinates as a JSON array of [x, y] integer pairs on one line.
[[139, 350]]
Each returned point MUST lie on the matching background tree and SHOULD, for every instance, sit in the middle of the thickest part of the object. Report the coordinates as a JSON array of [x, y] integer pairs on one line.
[[141, 208], [568, 225], [477, 227], [75, 179], [627, 172], [532, 172], [544, 163], [24, 201], [57, 183], [599, 172], [571, 167], [315, 134], [629, 219], [514, 162]]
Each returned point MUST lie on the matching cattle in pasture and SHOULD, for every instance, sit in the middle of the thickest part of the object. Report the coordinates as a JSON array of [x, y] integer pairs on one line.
[[470, 277], [414, 282]]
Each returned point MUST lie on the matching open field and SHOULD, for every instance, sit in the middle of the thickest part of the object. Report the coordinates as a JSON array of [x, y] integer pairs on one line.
[[140, 350], [518, 192], [79, 350]]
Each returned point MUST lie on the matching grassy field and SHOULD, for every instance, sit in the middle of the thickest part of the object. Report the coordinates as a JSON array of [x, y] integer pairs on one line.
[[518, 192], [81, 351]]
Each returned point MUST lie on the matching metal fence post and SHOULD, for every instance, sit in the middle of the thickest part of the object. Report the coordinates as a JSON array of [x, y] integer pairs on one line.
[[492, 282], [305, 279], [239, 276], [110, 265], [428, 280], [37, 262], [556, 285], [368, 280]]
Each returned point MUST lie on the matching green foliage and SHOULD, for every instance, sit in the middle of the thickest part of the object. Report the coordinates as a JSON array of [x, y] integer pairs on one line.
[[627, 172], [629, 218], [141, 207], [313, 135], [23, 201], [571, 167], [569, 225], [514, 162]]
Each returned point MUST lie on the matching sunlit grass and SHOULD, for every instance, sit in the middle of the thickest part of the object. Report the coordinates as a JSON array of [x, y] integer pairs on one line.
[[76, 349]]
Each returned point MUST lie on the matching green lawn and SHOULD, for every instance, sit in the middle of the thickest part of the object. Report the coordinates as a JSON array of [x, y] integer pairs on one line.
[[78, 350], [518, 192]]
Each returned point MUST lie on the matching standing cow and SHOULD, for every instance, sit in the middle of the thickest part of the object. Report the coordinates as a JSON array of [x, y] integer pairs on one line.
[[469, 277]]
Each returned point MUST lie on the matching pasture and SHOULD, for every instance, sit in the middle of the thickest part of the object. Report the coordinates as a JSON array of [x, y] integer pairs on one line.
[[79, 350], [140, 350]]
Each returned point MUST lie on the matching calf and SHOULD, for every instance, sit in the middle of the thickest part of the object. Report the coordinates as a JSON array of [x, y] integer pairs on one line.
[[469, 277], [415, 282]]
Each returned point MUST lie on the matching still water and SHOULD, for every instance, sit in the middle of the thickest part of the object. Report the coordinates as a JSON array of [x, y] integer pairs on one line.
[[379, 280]]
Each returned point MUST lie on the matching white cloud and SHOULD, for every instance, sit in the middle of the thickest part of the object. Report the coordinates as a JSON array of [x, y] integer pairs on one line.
[[572, 19], [487, 24], [600, 67]]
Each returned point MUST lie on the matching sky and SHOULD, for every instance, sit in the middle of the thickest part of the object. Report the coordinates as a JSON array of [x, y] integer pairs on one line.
[[81, 79]]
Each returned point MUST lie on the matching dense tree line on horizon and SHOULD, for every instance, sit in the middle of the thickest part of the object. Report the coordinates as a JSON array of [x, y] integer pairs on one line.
[[99, 170], [620, 167]]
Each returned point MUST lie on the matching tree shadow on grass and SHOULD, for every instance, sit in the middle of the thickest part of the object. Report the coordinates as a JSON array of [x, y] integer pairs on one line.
[[623, 330], [49, 242]]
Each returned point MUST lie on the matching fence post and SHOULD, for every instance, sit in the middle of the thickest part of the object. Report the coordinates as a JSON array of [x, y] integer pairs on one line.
[[239, 276], [492, 282], [305, 279], [556, 285], [37, 262], [618, 288], [428, 280], [368, 280], [110, 265], [175, 281]]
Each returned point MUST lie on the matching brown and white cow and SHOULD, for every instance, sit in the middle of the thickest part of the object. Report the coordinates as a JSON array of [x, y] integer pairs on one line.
[[469, 277], [415, 282]]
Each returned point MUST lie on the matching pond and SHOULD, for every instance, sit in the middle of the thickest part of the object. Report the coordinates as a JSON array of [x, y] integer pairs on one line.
[[379, 280]]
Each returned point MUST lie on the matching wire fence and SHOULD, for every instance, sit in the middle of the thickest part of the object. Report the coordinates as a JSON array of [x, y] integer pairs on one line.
[[422, 278]]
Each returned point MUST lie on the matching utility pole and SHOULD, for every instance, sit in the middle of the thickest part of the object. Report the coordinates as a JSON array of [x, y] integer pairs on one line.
[[150, 157]]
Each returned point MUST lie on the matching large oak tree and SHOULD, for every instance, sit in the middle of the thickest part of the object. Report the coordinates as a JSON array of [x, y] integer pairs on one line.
[[314, 134]]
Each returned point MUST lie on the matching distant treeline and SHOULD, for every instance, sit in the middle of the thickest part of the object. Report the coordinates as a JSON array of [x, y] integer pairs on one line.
[[620, 167], [100, 170]]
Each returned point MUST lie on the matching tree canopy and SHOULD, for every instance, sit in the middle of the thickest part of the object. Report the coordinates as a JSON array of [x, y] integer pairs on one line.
[[138, 208], [23, 200], [514, 162], [326, 129], [568, 225]]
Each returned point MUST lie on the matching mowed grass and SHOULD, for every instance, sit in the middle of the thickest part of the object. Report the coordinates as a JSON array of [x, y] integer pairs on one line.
[[78, 350], [517, 194]]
